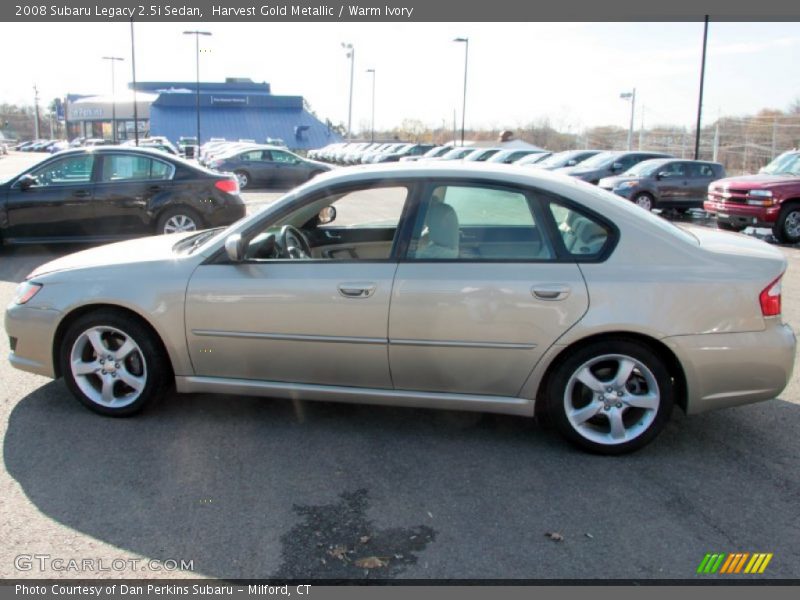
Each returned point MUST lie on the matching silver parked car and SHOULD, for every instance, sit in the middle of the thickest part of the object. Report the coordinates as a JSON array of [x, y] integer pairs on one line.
[[441, 285]]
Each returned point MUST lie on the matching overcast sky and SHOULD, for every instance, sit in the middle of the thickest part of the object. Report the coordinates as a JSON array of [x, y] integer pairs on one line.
[[572, 73]]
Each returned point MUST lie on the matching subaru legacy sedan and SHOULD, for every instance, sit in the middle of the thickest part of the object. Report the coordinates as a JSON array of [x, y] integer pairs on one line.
[[440, 285]]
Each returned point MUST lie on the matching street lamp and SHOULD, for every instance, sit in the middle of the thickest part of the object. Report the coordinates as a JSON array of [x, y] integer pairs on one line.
[[372, 129], [113, 60], [465, 40], [197, 35], [632, 96], [351, 54]]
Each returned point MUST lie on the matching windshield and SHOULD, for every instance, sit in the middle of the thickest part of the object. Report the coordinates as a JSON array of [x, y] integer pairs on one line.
[[787, 163], [433, 152], [458, 152], [599, 160], [646, 168]]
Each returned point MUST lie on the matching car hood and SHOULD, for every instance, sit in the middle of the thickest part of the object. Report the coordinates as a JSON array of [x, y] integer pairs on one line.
[[141, 250], [753, 181], [614, 181]]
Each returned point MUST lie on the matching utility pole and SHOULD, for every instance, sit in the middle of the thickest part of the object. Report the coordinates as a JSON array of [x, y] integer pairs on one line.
[[135, 108], [716, 142], [197, 35], [700, 97], [632, 96], [351, 54], [112, 60], [641, 130], [465, 41], [372, 127], [36, 112], [774, 131]]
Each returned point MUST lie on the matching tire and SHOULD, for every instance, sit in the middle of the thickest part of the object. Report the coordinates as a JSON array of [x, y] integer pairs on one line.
[[177, 220], [727, 226], [135, 379], [787, 228], [645, 201], [244, 179], [603, 422]]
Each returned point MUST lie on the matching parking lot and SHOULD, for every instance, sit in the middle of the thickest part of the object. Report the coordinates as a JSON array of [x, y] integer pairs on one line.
[[252, 488]]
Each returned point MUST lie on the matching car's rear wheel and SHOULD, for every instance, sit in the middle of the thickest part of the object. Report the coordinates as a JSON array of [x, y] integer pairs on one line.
[[243, 177], [112, 363], [787, 227], [178, 220], [610, 397], [644, 201]]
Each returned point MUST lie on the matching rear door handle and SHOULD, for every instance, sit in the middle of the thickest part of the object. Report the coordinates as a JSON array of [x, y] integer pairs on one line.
[[552, 291], [357, 290]]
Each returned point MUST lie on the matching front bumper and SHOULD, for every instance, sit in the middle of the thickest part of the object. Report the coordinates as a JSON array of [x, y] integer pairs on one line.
[[34, 330], [742, 214], [729, 369]]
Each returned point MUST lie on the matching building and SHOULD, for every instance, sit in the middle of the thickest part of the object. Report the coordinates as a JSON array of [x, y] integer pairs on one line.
[[234, 109]]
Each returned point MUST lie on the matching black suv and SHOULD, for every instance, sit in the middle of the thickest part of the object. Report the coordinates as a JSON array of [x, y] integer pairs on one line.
[[607, 164]]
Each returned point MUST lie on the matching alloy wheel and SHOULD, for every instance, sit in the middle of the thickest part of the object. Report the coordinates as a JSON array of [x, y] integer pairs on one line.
[[108, 366], [179, 223], [611, 399], [644, 201]]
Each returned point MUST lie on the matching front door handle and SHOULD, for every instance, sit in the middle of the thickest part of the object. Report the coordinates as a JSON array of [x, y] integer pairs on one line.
[[80, 194], [554, 291], [357, 290]]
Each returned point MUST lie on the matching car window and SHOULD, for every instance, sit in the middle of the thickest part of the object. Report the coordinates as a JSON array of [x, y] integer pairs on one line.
[[369, 208], [628, 161], [255, 155], [283, 157], [473, 223], [132, 167], [674, 169], [68, 170], [700, 170], [582, 235]]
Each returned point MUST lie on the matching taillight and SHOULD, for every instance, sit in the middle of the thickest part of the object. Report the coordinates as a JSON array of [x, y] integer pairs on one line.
[[770, 298], [230, 186]]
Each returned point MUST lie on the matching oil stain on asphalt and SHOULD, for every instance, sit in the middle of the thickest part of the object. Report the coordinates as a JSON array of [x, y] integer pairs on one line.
[[337, 541]]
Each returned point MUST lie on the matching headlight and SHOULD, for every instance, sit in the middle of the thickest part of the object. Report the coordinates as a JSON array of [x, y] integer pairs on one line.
[[25, 291], [760, 198], [629, 184], [760, 193]]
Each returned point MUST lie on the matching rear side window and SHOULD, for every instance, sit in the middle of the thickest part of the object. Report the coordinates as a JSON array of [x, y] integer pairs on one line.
[[477, 222], [703, 171], [582, 235], [131, 167]]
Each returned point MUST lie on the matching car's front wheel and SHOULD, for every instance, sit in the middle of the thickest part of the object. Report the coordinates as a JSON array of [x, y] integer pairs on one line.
[[112, 363], [243, 177], [644, 201], [787, 227], [610, 397]]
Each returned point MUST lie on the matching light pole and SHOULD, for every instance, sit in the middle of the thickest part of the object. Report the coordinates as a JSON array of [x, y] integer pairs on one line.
[[465, 40], [632, 96], [700, 98], [113, 59], [351, 54], [197, 35], [133, 72], [372, 129]]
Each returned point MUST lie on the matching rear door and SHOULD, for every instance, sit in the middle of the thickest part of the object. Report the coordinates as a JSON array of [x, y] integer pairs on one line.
[[700, 175], [673, 183], [59, 205], [483, 292], [289, 170], [128, 184]]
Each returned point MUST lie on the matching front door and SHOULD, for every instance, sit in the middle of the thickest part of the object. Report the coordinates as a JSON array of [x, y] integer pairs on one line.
[[481, 295], [319, 318], [59, 204]]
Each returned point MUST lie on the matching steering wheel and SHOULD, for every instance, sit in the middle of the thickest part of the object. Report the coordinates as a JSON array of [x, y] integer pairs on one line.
[[293, 244]]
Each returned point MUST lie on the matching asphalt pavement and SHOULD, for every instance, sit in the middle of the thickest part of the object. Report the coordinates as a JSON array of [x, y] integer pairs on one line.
[[240, 487]]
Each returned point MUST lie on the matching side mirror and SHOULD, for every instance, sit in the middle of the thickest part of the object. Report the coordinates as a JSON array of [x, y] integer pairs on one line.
[[326, 215], [616, 167], [571, 163], [234, 247], [26, 182], [662, 175]]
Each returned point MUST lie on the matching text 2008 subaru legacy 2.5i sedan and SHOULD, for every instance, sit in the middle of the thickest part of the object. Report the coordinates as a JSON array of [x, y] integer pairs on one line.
[[444, 286]]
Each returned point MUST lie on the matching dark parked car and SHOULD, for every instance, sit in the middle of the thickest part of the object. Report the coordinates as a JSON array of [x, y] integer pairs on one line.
[[404, 152], [513, 155], [268, 165], [666, 183], [113, 192], [607, 164], [568, 158]]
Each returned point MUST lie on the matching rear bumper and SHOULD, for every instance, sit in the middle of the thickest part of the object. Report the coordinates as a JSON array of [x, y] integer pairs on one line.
[[742, 214], [730, 369]]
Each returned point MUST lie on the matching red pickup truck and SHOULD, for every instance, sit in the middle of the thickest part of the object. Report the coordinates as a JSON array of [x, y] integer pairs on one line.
[[769, 199]]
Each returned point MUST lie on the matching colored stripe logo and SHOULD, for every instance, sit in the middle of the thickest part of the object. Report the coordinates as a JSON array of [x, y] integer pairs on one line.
[[734, 563]]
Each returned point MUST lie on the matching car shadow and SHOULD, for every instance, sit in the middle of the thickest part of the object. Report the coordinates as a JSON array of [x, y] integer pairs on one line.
[[253, 488]]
